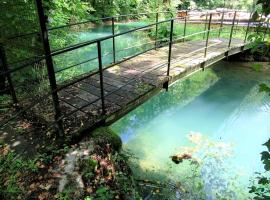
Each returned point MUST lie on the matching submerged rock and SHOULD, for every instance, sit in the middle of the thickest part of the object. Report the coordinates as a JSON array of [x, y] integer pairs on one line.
[[181, 157]]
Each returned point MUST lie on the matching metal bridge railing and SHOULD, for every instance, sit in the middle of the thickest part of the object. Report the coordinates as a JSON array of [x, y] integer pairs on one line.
[[48, 57]]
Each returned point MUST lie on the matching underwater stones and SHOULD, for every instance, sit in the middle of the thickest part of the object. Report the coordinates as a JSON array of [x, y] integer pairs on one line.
[[181, 157]]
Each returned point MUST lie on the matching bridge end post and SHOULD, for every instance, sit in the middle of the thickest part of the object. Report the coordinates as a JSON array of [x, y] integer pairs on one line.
[[205, 25], [113, 40], [50, 67], [221, 23], [7, 75], [185, 28], [170, 55], [247, 30], [231, 34], [207, 38], [266, 31], [101, 78], [156, 37]]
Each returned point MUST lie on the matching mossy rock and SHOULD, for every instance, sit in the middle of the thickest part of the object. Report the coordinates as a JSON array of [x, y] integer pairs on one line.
[[105, 135]]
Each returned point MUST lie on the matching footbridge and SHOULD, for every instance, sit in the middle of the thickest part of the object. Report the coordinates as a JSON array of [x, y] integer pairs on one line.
[[68, 100]]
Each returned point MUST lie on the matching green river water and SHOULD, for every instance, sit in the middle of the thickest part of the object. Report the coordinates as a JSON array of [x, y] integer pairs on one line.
[[218, 116]]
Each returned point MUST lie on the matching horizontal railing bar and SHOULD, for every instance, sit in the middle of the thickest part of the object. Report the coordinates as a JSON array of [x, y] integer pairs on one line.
[[103, 18], [22, 66], [187, 36], [18, 62], [105, 38], [110, 53], [23, 35], [87, 21], [71, 48], [86, 61]]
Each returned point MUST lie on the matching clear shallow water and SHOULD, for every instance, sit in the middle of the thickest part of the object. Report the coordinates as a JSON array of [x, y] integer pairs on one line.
[[218, 117]]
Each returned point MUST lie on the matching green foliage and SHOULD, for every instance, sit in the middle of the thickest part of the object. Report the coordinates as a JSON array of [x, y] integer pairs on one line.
[[266, 156], [261, 184], [260, 38], [265, 6], [17, 17], [257, 67], [62, 12], [104, 193], [11, 167], [88, 167], [185, 4], [71, 191], [264, 88]]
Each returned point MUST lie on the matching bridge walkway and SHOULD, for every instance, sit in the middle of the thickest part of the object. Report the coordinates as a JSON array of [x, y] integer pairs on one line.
[[132, 82]]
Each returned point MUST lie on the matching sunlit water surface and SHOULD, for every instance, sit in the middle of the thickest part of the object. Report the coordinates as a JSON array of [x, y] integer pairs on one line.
[[218, 116]]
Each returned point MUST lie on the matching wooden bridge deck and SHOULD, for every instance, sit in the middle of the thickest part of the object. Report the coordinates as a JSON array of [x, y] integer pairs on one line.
[[132, 82]]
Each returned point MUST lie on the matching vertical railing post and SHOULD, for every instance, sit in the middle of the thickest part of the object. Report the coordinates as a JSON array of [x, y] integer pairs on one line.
[[259, 26], [249, 20], [207, 38], [266, 31], [170, 48], [205, 25], [156, 38], [50, 68], [221, 23], [113, 40], [185, 28], [231, 34], [101, 77], [3, 60]]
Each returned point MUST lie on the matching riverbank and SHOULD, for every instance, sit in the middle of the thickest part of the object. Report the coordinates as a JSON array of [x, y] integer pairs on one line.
[[95, 168]]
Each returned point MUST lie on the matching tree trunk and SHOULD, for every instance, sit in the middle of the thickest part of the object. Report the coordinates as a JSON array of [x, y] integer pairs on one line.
[[3, 86]]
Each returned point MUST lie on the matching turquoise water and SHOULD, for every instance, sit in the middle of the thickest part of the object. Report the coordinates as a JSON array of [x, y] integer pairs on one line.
[[218, 117], [125, 46]]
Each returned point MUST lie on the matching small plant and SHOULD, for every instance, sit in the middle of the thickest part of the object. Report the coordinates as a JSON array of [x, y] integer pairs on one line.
[[104, 193], [257, 67], [261, 185], [88, 167]]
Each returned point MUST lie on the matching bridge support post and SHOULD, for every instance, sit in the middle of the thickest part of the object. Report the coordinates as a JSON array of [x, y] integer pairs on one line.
[[113, 39], [156, 38], [205, 25], [231, 34], [266, 31], [185, 28], [221, 23], [4, 66], [50, 68], [248, 27], [101, 78], [170, 51], [207, 38]]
